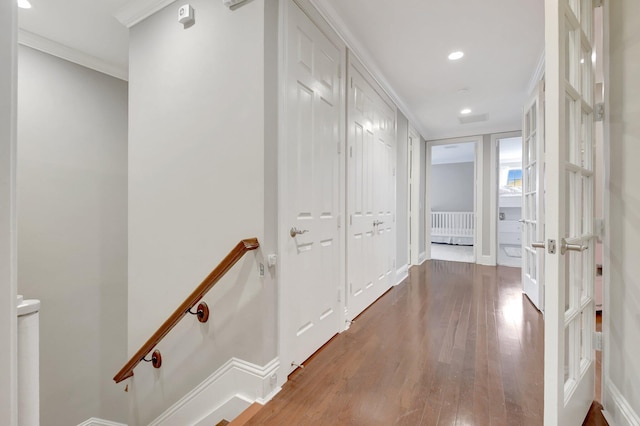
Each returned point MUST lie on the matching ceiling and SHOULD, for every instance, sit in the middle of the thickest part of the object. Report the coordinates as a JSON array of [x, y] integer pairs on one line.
[[464, 152], [404, 42]]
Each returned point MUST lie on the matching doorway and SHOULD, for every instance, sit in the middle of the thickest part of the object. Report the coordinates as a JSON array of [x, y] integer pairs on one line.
[[509, 201], [452, 200]]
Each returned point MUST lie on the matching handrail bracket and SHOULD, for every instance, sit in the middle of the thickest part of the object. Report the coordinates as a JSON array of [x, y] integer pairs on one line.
[[202, 313]]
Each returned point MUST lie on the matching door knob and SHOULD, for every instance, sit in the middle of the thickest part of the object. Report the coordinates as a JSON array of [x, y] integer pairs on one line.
[[377, 222], [295, 231], [538, 245], [566, 246]]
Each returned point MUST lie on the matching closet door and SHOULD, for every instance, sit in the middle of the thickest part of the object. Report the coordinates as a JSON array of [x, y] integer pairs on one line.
[[310, 255], [370, 193]]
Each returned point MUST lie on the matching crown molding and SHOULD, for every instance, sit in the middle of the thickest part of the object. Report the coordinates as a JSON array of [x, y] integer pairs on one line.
[[137, 10], [363, 55], [67, 53]]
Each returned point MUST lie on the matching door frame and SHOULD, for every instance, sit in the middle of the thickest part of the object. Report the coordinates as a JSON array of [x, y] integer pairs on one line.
[[415, 155], [283, 345], [8, 252], [606, 207], [493, 195], [478, 171]]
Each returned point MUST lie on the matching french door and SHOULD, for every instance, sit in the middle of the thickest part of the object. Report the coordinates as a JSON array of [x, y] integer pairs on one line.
[[569, 210], [533, 198], [310, 203]]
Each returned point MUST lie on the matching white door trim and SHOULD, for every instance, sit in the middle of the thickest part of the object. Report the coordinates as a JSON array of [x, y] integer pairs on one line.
[[606, 207], [492, 259], [414, 197], [8, 247], [478, 236]]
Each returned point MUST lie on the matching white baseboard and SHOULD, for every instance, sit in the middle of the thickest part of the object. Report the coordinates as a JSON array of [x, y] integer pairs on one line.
[[485, 260], [93, 421], [402, 273], [422, 257], [619, 411], [224, 394]]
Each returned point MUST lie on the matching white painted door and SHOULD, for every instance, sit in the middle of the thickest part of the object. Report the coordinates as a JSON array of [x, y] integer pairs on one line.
[[533, 198], [569, 359], [370, 196], [310, 201]]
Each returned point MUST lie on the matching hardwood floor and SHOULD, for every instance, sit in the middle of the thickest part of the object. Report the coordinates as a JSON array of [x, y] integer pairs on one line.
[[455, 344]]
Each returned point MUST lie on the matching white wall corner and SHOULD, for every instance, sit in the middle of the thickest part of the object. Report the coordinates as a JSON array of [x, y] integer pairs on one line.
[[618, 410], [70, 54], [422, 257], [136, 11], [94, 421], [402, 273], [224, 394]]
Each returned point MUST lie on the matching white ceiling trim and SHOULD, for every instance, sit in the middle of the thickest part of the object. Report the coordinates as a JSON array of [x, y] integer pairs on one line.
[[338, 25], [137, 10], [67, 53]]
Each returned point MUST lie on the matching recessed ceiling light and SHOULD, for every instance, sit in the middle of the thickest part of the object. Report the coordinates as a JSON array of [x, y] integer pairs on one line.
[[454, 56], [465, 111], [24, 4]]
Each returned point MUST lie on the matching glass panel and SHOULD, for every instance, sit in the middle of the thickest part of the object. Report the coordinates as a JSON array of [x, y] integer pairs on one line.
[[587, 273], [534, 122], [533, 143], [568, 50], [575, 7], [586, 19], [586, 130], [587, 319], [567, 353], [534, 258], [570, 145], [587, 206], [586, 70]]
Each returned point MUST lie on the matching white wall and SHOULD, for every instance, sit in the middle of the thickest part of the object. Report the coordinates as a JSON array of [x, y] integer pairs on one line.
[[8, 323], [452, 187], [624, 209], [72, 232], [197, 135]]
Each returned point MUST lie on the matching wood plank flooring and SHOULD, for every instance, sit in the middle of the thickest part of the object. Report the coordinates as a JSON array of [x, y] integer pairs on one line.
[[455, 344]]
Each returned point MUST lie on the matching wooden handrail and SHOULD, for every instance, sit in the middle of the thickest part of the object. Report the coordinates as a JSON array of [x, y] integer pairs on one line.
[[234, 255]]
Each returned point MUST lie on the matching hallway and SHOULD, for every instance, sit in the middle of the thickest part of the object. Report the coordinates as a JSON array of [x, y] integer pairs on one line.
[[455, 343]]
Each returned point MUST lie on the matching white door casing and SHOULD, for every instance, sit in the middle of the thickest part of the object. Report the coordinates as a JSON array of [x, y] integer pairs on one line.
[[569, 210], [370, 192], [533, 198], [310, 196], [414, 197]]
